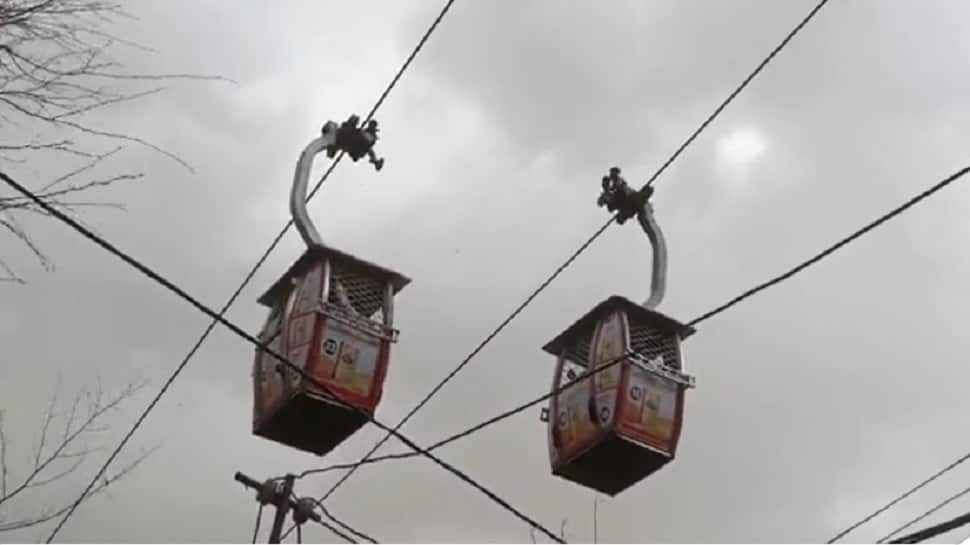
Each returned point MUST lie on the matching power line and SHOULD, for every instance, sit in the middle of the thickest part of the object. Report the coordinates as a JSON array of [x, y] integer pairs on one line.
[[480, 426], [578, 252], [938, 186], [259, 518], [927, 513], [465, 361], [249, 276], [262, 346], [901, 497], [345, 526], [717, 111], [333, 529], [935, 530], [707, 315], [832, 249]]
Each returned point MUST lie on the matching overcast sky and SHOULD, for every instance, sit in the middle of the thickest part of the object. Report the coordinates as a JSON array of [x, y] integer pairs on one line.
[[816, 402]]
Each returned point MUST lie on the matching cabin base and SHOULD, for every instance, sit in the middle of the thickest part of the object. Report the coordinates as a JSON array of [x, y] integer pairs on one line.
[[308, 423], [612, 465]]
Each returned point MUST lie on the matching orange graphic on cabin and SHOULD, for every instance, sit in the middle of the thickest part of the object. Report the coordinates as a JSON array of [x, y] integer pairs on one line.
[[650, 408], [347, 360]]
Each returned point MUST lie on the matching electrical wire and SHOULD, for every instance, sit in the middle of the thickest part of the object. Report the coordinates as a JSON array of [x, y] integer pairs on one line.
[[265, 348], [349, 529], [833, 248], [249, 276], [481, 425], [328, 526], [940, 185], [707, 315], [717, 111], [464, 362], [259, 518], [900, 498], [935, 530], [578, 252], [333, 529], [929, 512]]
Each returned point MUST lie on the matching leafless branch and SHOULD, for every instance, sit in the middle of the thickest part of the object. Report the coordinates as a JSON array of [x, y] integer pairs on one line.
[[56, 68], [71, 446], [54, 64], [49, 514], [9, 275], [8, 222]]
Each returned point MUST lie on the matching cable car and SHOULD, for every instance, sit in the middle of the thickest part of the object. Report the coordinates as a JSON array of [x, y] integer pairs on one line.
[[332, 314], [608, 430]]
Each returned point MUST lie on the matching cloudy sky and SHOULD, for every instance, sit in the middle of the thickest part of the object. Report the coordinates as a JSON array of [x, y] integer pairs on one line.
[[817, 401]]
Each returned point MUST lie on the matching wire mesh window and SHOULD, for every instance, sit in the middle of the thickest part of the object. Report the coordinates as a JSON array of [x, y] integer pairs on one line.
[[651, 343], [354, 290]]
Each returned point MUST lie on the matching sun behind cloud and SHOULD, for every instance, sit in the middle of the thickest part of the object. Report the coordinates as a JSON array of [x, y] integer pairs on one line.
[[741, 146]]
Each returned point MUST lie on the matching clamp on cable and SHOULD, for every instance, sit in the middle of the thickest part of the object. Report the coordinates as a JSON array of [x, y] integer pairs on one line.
[[619, 197], [303, 510], [627, 202], [357, 141]]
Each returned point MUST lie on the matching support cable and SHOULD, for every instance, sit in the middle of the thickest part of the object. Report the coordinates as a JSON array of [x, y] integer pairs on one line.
[[262, 346]]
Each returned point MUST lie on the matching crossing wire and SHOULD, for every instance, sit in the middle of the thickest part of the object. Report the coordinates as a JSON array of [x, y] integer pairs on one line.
[[265, 348], [927, 513], [259, 518], [578, 252], [935, 530], [249, 276], [815, 259]]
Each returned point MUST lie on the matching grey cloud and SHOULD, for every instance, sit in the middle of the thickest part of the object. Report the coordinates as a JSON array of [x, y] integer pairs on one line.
[[816, 400]]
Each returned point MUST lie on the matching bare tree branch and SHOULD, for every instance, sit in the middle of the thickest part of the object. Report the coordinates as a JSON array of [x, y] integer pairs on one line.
[[71, 445], [48, 418], [9, 275], [11, 225], [49, 514], [56, 69]]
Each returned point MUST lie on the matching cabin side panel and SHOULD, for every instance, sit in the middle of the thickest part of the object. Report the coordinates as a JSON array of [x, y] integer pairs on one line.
[[348, 362], [610, 343], [651, 409]]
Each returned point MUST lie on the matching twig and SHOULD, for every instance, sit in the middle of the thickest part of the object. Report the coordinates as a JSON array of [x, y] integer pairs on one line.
[[47, 514]]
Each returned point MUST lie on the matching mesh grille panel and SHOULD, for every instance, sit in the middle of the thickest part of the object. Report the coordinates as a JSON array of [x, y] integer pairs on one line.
[[352, 290], [651, 343]]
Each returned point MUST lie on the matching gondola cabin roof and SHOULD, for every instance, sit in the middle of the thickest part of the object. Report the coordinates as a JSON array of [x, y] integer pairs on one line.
[[315, 253], [635, 312]]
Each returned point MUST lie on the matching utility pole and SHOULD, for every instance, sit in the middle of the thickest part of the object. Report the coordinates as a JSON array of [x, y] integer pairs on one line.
[[280, 495], [282, 506]]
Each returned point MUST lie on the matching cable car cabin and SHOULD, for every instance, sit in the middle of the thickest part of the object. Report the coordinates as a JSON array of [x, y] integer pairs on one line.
[[332, 315], [610, 430]]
